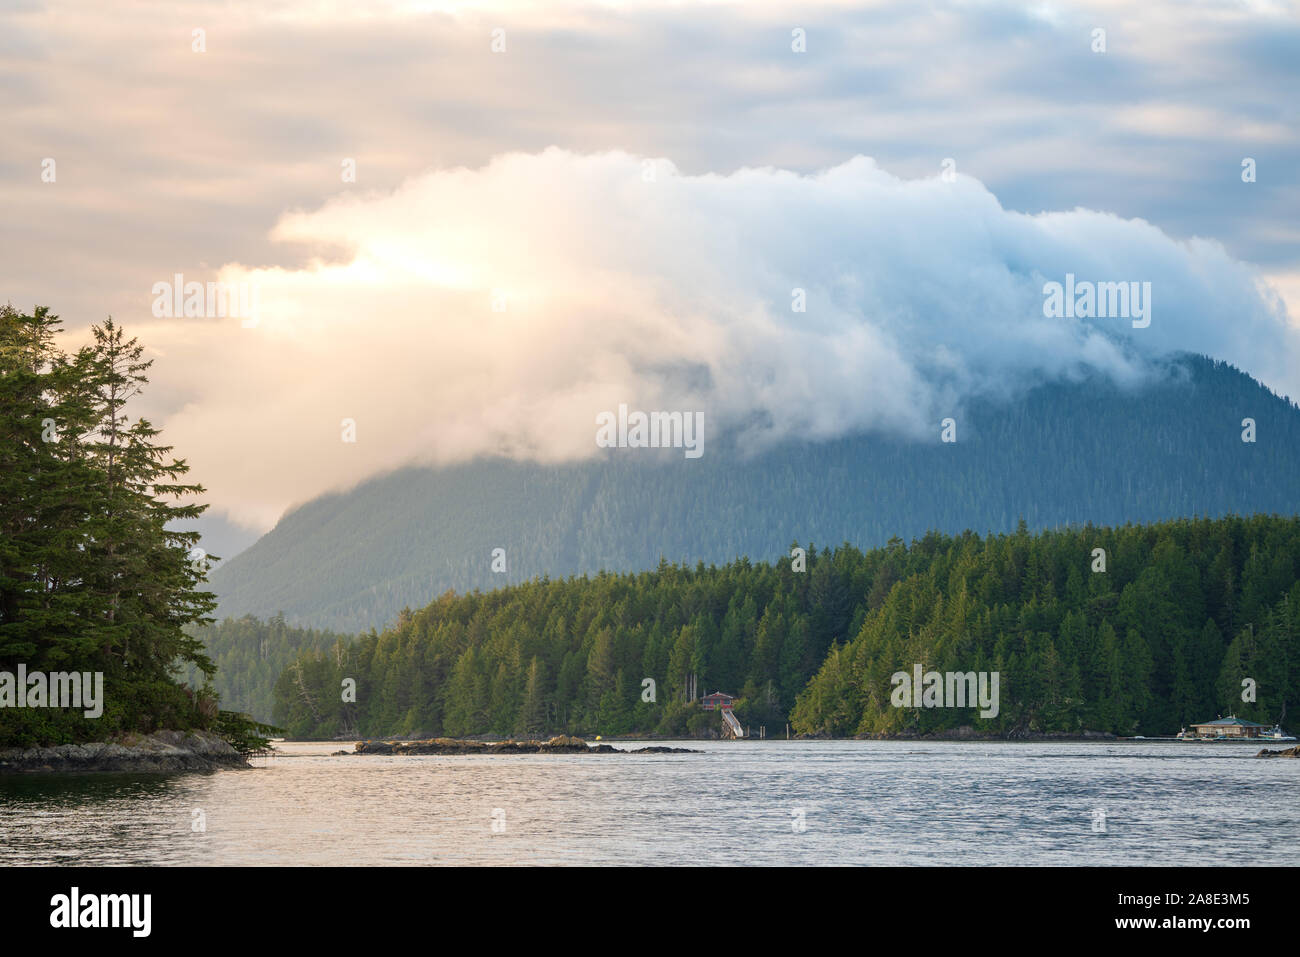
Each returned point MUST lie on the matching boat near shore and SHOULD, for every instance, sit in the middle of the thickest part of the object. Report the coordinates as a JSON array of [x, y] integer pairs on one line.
[[1276, 733]]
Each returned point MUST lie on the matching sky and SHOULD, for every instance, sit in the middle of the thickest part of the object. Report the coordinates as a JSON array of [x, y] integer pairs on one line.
[[473, 227]]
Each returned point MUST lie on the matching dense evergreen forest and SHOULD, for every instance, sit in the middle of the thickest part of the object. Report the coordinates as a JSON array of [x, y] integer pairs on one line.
[[1183, 611], [1064, 453], [91, 579], [249, 654]]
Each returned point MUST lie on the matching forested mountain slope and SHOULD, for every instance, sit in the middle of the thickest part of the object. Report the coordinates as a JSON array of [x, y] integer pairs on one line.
[[1065, 453]]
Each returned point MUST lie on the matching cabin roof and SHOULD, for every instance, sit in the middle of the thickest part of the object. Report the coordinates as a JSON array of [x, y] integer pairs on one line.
[[1225, 722]]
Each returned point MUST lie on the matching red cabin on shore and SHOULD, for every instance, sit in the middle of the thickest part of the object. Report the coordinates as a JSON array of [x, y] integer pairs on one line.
[[717, 701]]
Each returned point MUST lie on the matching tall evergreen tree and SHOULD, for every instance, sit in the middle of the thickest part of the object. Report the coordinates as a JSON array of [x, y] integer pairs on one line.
[[92, 576]]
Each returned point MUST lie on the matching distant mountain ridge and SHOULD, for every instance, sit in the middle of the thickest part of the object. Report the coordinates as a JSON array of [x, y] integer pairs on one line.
[[1064, 454]]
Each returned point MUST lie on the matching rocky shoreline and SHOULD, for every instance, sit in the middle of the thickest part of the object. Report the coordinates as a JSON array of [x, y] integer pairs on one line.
[[1287, 753], [477, 743], [161, 751], [561, 744]]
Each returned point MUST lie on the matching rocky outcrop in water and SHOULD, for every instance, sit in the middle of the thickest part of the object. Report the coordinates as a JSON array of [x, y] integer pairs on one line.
[[1288, 753], [561, 744], [161, 751]]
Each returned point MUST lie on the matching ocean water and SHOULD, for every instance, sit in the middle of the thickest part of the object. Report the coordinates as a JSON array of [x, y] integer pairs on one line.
[[746, 802]]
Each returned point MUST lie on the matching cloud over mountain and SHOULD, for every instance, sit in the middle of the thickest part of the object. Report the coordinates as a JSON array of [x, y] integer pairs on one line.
[[500, 309]]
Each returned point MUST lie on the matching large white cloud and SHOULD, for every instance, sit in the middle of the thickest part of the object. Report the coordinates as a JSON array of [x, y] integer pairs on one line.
[[668, 292]]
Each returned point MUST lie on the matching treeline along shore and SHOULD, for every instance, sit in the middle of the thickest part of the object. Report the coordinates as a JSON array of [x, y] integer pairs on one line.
[[1086, 631], [1078, 631]]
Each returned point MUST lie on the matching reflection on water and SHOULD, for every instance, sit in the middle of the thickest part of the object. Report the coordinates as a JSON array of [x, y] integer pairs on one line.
[[858, 802]]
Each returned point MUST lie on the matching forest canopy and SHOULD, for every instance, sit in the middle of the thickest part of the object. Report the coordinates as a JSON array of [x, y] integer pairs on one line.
[[1183, 613]]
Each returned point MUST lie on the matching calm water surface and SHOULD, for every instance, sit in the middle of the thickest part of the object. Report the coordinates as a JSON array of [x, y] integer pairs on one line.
[[862, 802]]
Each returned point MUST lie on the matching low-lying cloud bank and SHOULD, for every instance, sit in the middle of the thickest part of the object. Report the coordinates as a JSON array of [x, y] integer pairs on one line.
[[501, 310]]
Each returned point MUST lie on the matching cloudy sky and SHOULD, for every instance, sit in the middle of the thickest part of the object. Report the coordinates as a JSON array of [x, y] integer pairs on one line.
[[617, 202]]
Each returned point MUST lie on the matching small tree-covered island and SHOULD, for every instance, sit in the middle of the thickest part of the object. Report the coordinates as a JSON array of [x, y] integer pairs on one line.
[[97, 588]]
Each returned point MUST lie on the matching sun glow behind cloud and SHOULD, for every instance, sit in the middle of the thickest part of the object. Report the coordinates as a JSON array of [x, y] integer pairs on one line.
[[377, 295], [673, 294]]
